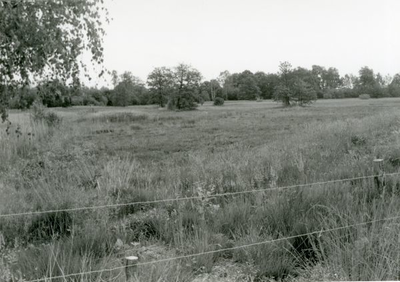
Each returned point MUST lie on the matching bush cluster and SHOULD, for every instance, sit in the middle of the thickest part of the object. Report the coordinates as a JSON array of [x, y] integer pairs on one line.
[[364, 96], [218, 101], [40, 113]]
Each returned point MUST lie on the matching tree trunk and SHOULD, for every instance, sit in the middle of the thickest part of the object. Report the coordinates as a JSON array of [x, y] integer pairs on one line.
[[161, 100], [286, 101]]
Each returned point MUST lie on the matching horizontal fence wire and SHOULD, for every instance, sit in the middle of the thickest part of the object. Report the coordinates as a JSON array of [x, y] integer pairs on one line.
[[192, 197], [319, 232]]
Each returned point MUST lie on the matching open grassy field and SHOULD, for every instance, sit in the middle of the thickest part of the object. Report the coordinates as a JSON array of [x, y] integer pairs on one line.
[[105, 156]]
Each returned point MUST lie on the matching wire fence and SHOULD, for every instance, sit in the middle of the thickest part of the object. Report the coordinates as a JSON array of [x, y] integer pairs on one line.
[[193, 197], [197, 198], [319, 232]]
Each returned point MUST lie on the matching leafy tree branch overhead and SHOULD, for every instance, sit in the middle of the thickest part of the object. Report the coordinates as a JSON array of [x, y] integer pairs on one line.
[[45, 38]]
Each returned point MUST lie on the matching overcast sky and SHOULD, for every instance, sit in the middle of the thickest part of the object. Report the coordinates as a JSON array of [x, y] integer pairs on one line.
[[235, 35]]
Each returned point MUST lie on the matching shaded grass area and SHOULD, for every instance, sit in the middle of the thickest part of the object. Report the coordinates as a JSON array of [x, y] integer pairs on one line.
[[138, 154]]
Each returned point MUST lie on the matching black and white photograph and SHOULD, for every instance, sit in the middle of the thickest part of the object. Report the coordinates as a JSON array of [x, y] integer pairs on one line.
[[199, 140]]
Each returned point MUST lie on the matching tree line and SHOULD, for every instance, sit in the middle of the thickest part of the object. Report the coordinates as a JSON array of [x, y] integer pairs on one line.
[[182, 87], [41, 43]]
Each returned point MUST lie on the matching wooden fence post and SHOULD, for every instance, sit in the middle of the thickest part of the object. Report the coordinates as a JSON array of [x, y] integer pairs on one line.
[[380, 177], [131, 267]]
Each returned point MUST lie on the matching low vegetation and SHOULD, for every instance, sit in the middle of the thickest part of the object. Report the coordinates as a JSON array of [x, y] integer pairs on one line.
[[98, 156], [182, 88], [218, 101], [364, 96], [129, 161]]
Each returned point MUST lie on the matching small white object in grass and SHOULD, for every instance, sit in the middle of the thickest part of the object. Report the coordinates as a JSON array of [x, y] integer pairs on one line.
[[119, 243], [132, 258], [378, 160]]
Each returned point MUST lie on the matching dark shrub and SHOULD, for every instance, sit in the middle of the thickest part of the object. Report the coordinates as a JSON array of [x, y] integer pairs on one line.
[[146, 225], [38, 111], [364, 96], [123, 117], [23, 98], [182, 101], [358, 140], [40, 114], [52, 119], [94, 238], [218, 101], [127, 196], [47, 226], [54, 93]]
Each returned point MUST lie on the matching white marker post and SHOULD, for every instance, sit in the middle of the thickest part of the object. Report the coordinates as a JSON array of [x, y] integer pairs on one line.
[[130, 267]]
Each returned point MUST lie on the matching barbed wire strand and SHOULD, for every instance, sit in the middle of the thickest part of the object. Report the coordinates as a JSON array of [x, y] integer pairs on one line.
[[215, 251], [192, 197]]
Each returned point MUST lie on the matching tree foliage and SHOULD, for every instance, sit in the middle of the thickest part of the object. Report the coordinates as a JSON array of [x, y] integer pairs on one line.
[[267, 84], [91, 96], [43, 39], [218, 101], [394, 86], [211, 89], [303, 93], [247, 85], [294, 88], [230, 88], [186, 88], [54, 93], [48, 36], [129, 91], [369, 83], [160, 82], [284, 90]]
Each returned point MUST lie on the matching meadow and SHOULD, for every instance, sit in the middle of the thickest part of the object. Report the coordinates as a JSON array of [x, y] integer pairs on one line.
[[99, 156]]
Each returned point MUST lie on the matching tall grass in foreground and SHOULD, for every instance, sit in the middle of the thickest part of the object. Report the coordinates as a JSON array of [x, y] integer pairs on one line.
[[64, 243], [365, 252], [19, 140]]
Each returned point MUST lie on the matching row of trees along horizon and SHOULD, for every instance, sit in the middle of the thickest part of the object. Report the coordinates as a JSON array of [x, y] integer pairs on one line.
[[182, 88], [60, 31]]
